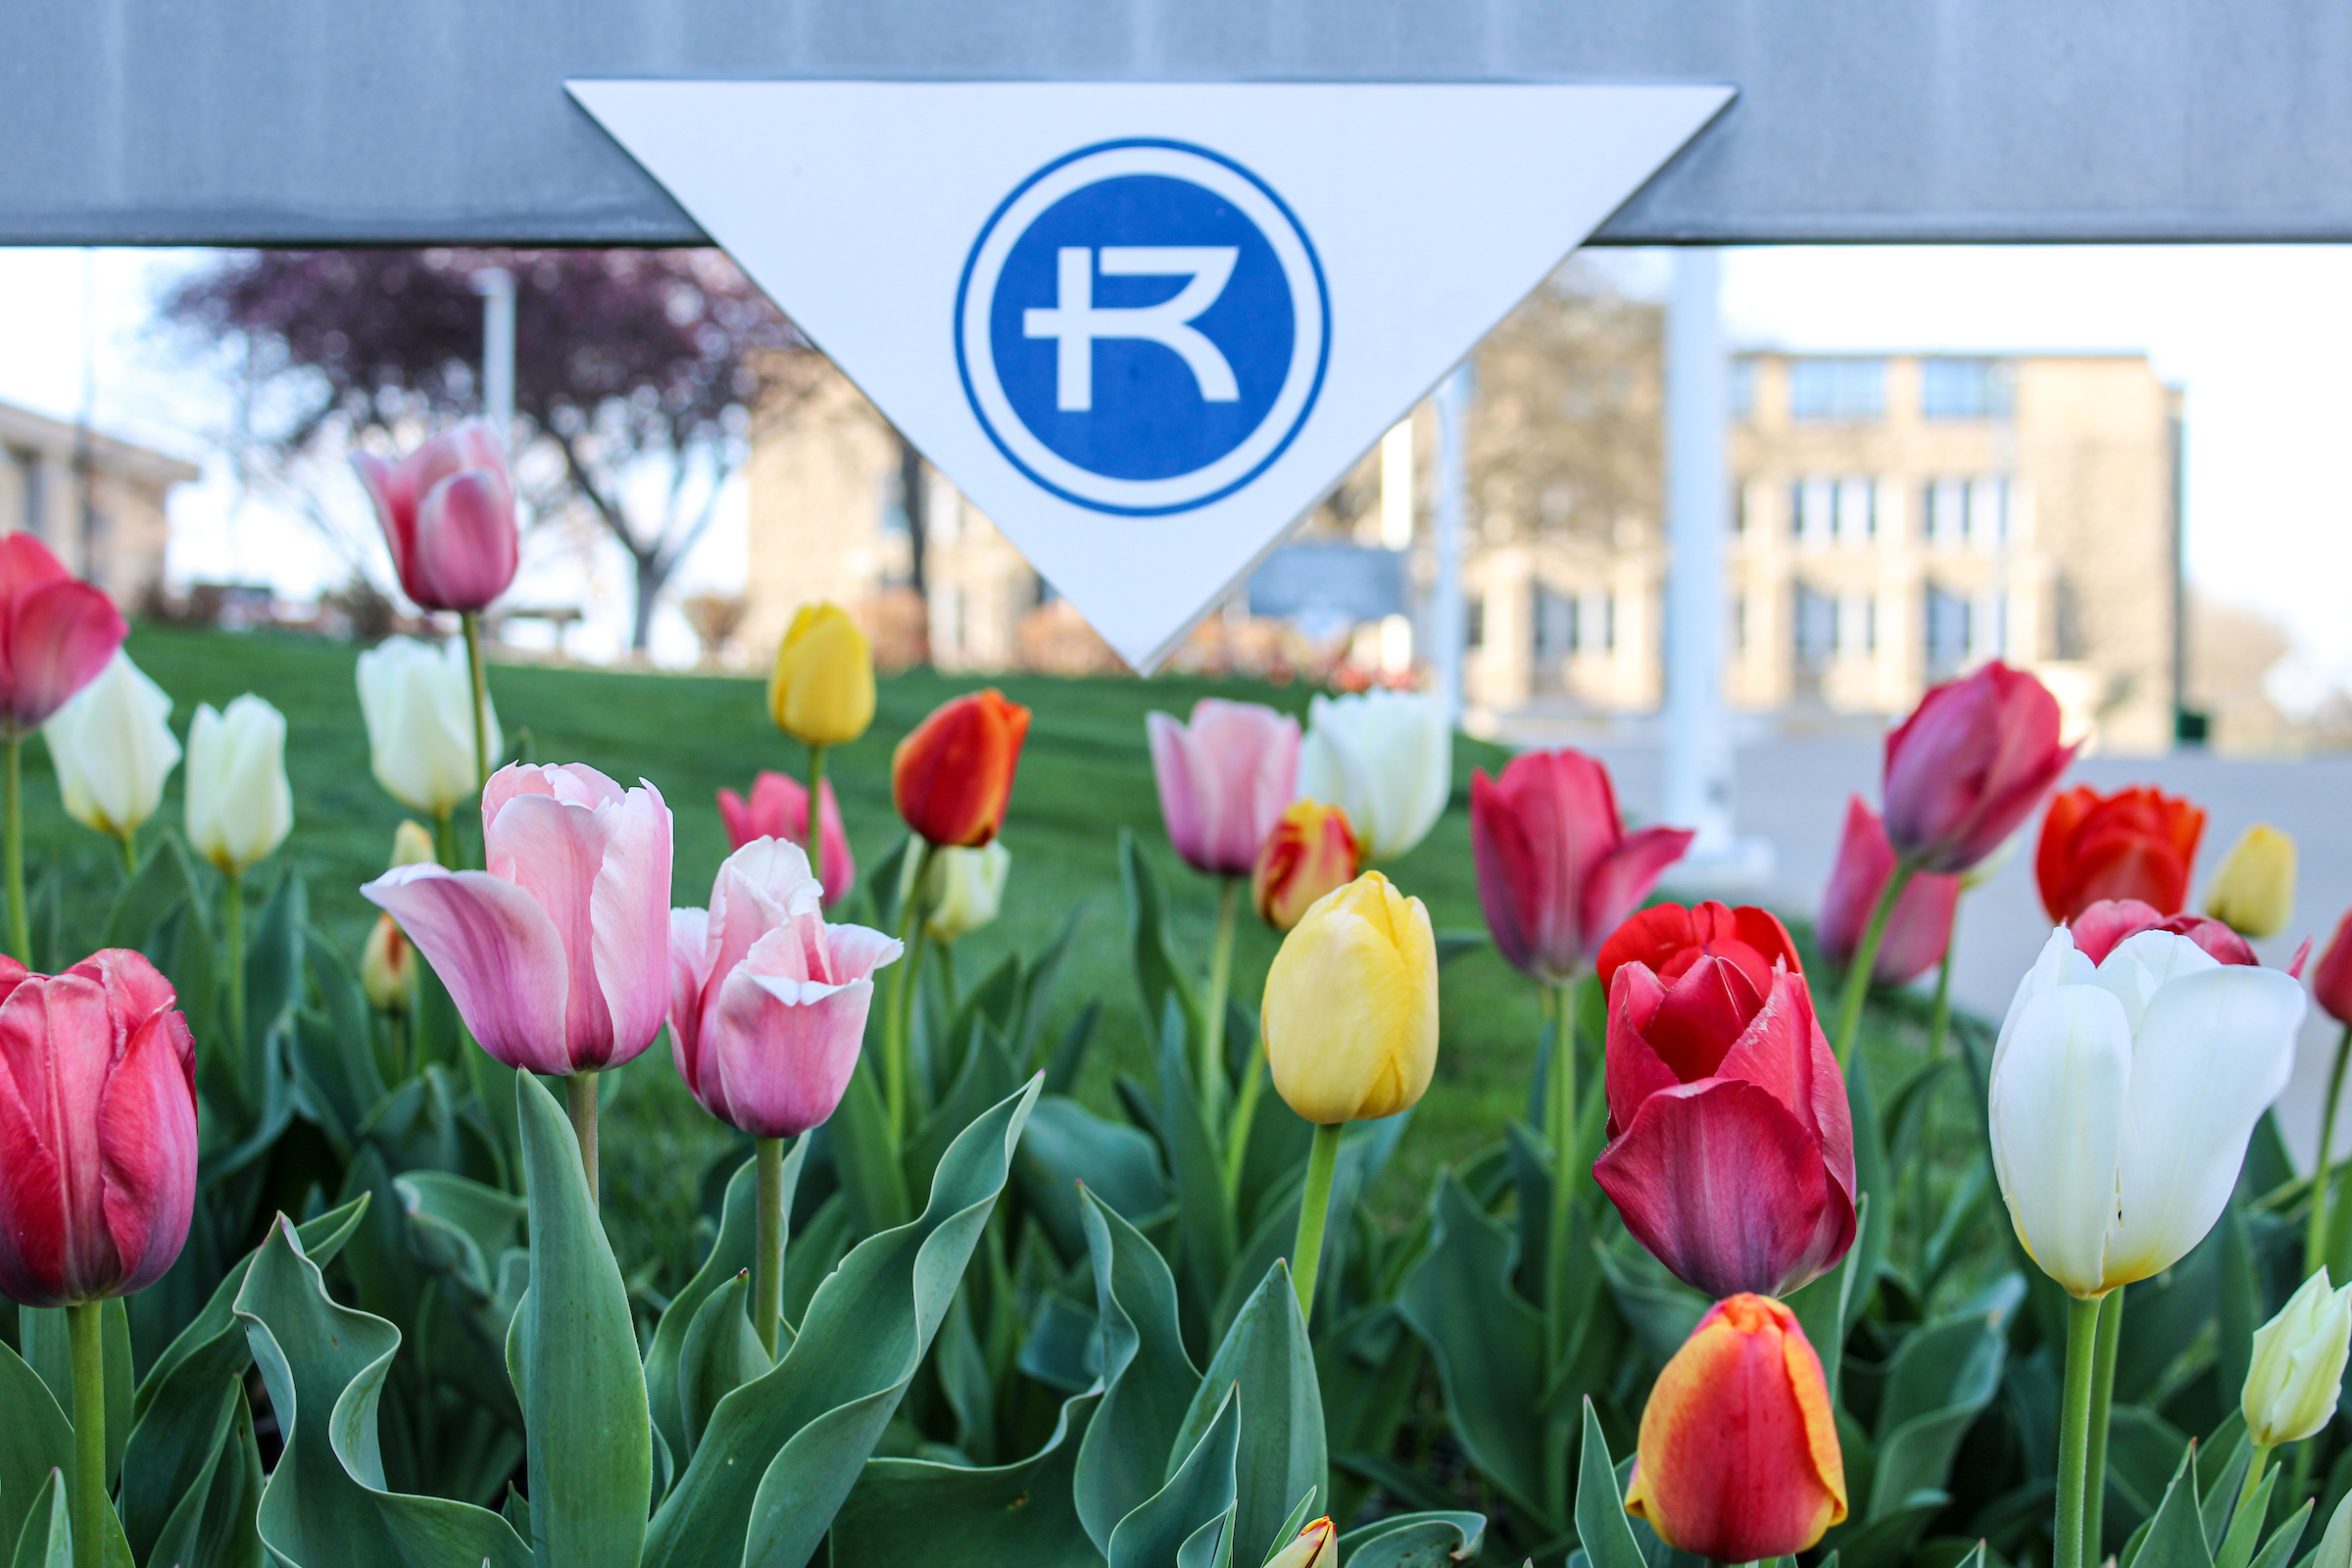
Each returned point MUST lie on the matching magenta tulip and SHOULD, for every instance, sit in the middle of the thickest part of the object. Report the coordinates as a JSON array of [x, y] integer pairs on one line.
[[57, 632], [779, 810], [1224, 780], [768, 1001], [1556, 870], [2103, 927], [448, 513], [1731, 1152], [1976, 756], [1919, 927], [557, 956], [97, 1129]]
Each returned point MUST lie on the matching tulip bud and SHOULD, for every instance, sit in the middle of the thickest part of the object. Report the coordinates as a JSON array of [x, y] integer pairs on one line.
[[779, 810], [2134, 844], [1351, 1014], [412, 844], [57, 632], [2331, 979], [1386, 756], [1317, 1546], [2253, 893], [418, 701], [822, 689], [952, 776], [448, 515], [2298, 1367], [1311, 850], [386, 965], [1970, 764], [239, 807], [962, 890], [113, 746], [1738, 1449]]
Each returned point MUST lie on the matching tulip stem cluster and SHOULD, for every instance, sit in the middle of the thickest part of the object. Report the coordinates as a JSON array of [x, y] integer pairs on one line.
[[902, 991], [1866, 958], [2074, 1429], [1315, 1207], [767, 1261], [20, 921], [1220, 983], [579, 1101], [84, 1328], [471, 622], [2315, 1240]]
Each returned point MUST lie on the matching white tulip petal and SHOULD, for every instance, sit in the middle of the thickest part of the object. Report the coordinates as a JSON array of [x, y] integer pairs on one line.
[[2144, 963], [2056, 1105], [2058, 963]]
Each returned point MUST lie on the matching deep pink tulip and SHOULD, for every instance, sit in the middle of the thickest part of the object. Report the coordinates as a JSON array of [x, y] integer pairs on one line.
[[1730, 1150], [1920, 927], [97, 1129], [767, 1003], [2331, 981], [1557, 869], [558, 956], [57, 632], [1224, 780], [779, 810], [2102, 928], [448, 513], [1976, 756]]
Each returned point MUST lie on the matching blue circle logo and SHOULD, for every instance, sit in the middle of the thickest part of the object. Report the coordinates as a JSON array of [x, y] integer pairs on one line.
[[1142, 326]]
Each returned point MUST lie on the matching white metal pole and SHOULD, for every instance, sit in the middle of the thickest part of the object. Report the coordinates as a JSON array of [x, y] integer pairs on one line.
[[1445, 596], [1698, 749], [496, 290]]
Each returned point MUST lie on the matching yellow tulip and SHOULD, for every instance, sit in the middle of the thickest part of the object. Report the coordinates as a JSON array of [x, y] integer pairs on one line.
[[1350, 1014], [822, 691], [2253, 893], [1317, 1546], [412, 844], [386, 965]]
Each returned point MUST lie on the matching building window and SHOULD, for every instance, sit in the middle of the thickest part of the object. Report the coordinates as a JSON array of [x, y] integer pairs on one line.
[[1948, 617], [1473, 621], [1813, 510], [1816, 627], [1554, 623], [1857, 510], [1608, 623], [1847, 391], [1744, 390], [1965, 389], [1740, 509], [1739, 624], [1989, 512]]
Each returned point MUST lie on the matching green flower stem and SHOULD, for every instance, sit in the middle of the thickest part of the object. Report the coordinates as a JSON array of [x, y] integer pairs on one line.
[[2074, 1431], [1220, 981], [1939, 1028], [471, 621], [815, 834], [85, 1323], [1314, 1209], [1560, 1124], [580, 1099], [2245, 1494], [2315, 1240], [768, 1261], [1245, 1112], [444, 840], [130, 853], [901, 996], [20, 919], [1866, 956], [233, 922], [2102, 1403]]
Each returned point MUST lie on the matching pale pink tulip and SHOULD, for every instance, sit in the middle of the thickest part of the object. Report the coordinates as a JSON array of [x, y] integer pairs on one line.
[[1223, 780], [779, 810], [558, 956], [768, 1001], [448, 515], [2103, 927]]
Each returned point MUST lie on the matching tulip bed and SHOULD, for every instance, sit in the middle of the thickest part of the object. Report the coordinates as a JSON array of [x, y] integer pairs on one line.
[[1066, 1213]]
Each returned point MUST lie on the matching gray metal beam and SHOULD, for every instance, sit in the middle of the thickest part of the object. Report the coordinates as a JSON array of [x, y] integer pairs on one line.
[[310, 121]]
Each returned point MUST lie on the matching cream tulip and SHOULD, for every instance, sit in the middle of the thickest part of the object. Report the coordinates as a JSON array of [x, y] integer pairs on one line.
[[2299, 1368], [418, 704], [2122, 1098], [964, 889], [1387, 757], [113, 746], [240, 807]]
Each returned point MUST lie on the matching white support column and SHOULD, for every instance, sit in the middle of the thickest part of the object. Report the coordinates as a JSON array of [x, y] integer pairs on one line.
[[1445, 594], [496, 290]]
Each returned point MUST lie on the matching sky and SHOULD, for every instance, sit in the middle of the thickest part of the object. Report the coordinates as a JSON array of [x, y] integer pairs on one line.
[[2259, 339]]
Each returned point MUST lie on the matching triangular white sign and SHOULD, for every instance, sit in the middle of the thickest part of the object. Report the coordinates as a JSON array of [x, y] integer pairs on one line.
[[1144, 326]]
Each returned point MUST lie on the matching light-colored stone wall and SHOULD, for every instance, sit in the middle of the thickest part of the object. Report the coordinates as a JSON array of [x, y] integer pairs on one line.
[[130, 525]]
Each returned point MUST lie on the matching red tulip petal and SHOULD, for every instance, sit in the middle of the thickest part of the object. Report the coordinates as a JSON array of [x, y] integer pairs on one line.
[[1785, 1053], [59, 636], [147, 1140], [1631, 1069], [1704, 1012], [1625, 875]]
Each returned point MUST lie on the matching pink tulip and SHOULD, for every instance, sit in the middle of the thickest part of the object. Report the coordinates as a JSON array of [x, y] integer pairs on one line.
[[779, 810], [2103, 927], [1920, 927], [1223, 780], [97, 1129], [558, 956], [57, 632], [448, 513], [767, 1003], [1976, 758], [1556, 870]]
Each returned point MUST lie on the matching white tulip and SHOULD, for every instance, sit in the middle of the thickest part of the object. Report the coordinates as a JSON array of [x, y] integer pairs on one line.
[[2122, 1098], [113, 746], [1386, 756], [964, 889], [240, 807], [418, 704], [2298, 1367]]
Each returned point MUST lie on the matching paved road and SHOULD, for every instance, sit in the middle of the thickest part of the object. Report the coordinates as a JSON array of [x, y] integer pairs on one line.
[[1793, 794]]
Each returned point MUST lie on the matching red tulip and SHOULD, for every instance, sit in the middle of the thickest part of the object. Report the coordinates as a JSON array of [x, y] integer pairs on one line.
[[2134, 844], [57, 632], [1557, 869], [1730, 1150], [1970, 764], [97, 1129], [2102, 928], [448, 515], [952, 776], [1739, 1460], [779, 810], [1919, 927], [1670, 938]]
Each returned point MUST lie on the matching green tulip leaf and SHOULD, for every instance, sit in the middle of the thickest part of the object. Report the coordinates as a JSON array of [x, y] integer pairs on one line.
[[1440, 1540], [213, 1524], [47, 1537], [985, 1077], [1201, 1495], [1600, 1518], [591, 1443], [461, 1228], [2245, 1524], [1067, 1144], [1268, 1356], [1204, 1223], [1019, 1515], [1295, 1522], [719, 1356], [1148, 1381], [325, 1504], [731, 1252], [1945, 1375], [2175, 1536], [2279, 1550], [1158, 976], [782, 1451], [2335, 1549], [866, 1156]]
